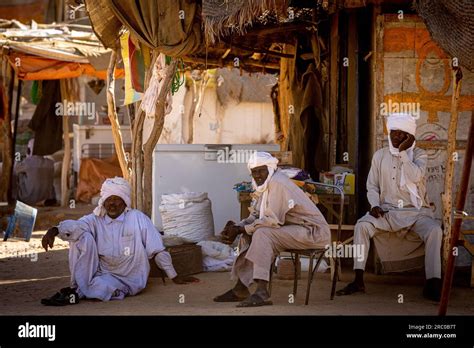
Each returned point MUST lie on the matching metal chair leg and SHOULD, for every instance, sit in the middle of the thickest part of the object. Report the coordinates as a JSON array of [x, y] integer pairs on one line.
[[335, 277], [272, 269], [295, 280], [310, 278]]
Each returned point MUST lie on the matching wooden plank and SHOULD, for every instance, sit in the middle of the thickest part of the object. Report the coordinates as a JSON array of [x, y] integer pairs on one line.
[[440, 144], [333, 85], [379, 76]]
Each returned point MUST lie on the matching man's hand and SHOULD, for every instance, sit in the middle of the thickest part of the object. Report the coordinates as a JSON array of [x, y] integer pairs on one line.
[[407, 143], [376, 212], [184, 280], [48, 238], [228, 235]]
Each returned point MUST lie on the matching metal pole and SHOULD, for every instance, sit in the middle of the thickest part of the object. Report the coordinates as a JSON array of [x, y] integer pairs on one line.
[[460, 202]]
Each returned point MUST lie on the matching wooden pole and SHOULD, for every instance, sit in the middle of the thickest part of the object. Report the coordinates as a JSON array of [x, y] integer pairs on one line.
[[137, 144], [460, 202], [449, 178], [8, 84], [112, 114], [15, 131], [155, 136], [66, 94]]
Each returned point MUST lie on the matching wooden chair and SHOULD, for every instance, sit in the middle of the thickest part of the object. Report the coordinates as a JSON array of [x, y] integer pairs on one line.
[[316, 254]]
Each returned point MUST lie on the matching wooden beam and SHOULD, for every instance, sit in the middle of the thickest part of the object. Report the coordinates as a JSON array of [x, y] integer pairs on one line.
[[460, 202], [446, 197], [66, 94], [277, 29], [5, 131], [333, 85], [112, 114], [230, 62], [226, 53], [258, 50]]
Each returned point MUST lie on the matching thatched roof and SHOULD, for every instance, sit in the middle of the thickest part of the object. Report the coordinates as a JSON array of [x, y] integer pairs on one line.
[[250, 30], [104, 22], [451, 25]]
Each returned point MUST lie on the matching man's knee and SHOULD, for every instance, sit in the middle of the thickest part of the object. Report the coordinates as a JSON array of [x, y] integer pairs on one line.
[[363, 228], [85, 243], [436, 233], [262, 233]]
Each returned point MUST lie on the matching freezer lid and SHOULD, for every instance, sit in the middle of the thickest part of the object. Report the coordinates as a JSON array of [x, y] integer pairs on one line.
[[214, 147]]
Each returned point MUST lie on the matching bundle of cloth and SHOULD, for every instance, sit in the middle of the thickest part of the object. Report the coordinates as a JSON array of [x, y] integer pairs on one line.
[[217, 256]]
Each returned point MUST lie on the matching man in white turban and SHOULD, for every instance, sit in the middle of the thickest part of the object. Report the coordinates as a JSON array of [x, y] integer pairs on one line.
[[396, 191], [282, 217], [110, 249]]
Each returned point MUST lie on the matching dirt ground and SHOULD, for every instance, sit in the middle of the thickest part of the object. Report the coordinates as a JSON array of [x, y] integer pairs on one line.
[[27, 274]]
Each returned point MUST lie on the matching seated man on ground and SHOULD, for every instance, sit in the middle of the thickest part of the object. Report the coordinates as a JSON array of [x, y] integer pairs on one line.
[[283, 218], [396, 191], [110, 249]]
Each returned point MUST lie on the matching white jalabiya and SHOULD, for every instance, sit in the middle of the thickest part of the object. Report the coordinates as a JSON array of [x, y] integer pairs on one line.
[[406, 123], [262, 159], [109, 258]]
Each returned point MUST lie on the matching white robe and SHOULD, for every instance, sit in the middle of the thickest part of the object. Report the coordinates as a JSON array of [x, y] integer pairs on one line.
[[383, 190], [111, 260]]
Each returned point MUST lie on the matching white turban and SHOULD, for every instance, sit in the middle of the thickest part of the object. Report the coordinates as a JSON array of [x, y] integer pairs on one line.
[[262, 159], [113, 187], [406, 123]]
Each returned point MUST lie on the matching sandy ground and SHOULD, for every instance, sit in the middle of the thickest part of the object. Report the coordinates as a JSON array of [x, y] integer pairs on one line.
[[27, 274]]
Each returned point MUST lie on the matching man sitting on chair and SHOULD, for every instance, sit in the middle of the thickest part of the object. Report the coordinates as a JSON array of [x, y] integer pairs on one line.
[[396, 191], [283, 218]]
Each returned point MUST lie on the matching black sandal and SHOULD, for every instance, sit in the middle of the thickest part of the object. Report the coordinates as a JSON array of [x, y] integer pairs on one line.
[[254, 301], [350, 289], [66, 296], [229, 296]]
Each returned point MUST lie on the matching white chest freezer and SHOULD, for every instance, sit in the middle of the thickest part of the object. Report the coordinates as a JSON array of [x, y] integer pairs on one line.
[[214, 169]]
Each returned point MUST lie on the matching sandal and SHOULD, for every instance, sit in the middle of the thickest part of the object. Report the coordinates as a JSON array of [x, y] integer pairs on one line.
[[254, 301], [229, 296], [66, 296], [350, 289]]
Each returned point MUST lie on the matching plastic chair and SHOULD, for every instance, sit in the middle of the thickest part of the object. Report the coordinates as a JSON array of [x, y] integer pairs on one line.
[[317, 254]]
